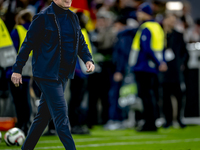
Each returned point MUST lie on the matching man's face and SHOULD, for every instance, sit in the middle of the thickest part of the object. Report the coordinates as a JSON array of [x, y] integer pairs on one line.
[[64, 4], [170, 21], [141, 16]]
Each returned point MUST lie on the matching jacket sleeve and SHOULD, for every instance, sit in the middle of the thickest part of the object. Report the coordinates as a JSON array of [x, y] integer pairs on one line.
[[146, 46], [33, 38], [184, 52], [83, 50], [118, 54], [15, 38]]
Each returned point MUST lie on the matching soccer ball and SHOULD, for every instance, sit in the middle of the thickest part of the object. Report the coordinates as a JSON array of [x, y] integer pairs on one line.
[[14, 136]]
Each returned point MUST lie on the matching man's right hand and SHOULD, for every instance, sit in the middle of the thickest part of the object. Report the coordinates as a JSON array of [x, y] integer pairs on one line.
[[16, 78]]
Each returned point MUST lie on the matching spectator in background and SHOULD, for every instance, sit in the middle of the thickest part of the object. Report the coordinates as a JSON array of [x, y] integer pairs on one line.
[[184, 20], [125, 7], [1, 8], [159, 8], [192, 34], [146, 57], [6, 45], [44, 4], [21, 95], [186, 17], [26, 4], [103, 38], [77, 115], [176, 56], [120, 56], [14, 6], [10, 14]]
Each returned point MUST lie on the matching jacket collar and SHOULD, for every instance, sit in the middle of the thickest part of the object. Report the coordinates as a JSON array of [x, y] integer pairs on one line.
[[50, 9]]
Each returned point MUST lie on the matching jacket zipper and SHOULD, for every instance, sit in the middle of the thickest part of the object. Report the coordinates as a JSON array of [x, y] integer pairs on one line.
[[72, 20], [59, 43]]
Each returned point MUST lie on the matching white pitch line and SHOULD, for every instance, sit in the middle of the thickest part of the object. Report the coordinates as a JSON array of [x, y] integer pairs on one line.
[[122, 143], [126, 143], [110, 138], [104, 139]]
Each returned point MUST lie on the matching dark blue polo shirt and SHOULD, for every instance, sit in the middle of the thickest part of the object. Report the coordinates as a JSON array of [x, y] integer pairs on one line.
[[67, 39]]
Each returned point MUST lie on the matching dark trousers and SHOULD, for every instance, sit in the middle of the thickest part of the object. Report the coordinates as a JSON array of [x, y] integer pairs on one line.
[[52, 106], [78, 87], [168, 90], [98, 88], [21, 99], [146, 91], [115, 112]]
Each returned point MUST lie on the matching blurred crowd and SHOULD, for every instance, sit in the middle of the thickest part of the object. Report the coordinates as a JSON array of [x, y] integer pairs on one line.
[[104, 97]]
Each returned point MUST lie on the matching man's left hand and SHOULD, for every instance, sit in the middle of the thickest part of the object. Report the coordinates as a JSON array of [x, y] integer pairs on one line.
[[90, 67]]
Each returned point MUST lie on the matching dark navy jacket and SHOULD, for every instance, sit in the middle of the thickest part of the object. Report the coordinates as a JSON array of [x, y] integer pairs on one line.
[[122, 49], [43, 37]]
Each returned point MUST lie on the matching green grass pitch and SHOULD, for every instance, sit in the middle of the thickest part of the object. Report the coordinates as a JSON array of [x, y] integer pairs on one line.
[[100, 139]]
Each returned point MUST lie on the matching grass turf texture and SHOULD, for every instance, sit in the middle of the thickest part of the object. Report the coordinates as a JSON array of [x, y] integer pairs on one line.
[[100, 139]]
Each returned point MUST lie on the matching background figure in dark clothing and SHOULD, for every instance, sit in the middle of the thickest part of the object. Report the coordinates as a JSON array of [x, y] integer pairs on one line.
[[103, 39], [176, 56], [120, 56], [77, 114], [21, 95]]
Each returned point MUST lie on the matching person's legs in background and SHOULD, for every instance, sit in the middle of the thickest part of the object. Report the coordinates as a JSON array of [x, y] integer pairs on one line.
[[168, 90], [145, 87], [98, 89], [156, 96], [115, 113], [167, 104], [21, 99], [77, 115], [179, 97], [93, 95], [106, 77]]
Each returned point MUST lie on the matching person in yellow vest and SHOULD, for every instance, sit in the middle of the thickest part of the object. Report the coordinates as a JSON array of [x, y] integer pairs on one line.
[[21, 94], [6, 50], [146, 59], [6, 40]]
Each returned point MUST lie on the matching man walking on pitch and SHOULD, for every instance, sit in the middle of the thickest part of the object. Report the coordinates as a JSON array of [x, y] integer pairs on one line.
[[56, 39]]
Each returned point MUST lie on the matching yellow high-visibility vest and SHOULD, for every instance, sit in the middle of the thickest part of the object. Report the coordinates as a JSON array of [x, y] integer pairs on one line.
[[157, 36], [5, 39], [156, 43], [7, 51], [22, 35], [87, 40]]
